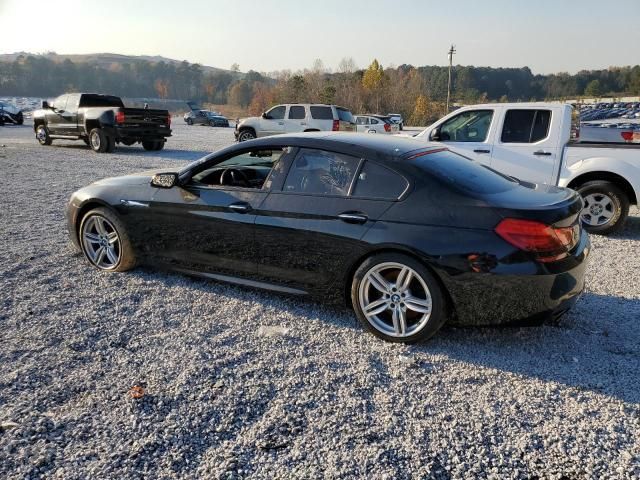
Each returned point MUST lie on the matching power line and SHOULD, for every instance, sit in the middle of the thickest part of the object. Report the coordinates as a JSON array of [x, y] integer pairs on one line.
[[452, 51]]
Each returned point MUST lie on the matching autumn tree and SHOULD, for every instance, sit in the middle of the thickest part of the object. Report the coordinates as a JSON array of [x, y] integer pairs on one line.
[[240, 94], [373, 81]]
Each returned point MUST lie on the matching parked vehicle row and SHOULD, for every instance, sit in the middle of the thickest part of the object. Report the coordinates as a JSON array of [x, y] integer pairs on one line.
[[532, 142], [292, 118], [101, 121], [409, 234]]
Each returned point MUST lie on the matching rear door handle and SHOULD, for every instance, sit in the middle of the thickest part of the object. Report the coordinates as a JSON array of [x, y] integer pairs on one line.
[[280, 123], [353, 217], [480, 150], [541, 152], [240, 207]]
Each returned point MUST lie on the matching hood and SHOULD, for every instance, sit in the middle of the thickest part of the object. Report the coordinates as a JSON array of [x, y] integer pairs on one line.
[[140, 178]]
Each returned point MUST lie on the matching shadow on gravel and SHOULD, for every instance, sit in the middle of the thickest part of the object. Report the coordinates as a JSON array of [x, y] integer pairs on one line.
[[167, 153], [595, 347], [631, 230]]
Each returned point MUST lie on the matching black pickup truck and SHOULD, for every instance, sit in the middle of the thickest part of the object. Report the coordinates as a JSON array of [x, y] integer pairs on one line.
[[101, 121]]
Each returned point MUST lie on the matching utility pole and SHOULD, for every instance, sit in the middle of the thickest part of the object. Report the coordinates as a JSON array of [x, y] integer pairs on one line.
[[452, 51]]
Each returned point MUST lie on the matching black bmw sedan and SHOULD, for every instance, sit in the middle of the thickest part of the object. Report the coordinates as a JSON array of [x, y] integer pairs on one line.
[[409, 235]]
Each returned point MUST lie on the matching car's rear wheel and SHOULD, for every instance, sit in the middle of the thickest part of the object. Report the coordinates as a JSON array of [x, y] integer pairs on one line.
[[246, 135], [606, 207], [42, 134], [99, 141], [397, 299], [189, 121], [104, 241]]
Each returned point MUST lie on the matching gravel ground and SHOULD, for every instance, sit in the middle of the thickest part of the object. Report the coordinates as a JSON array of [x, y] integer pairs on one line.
[[242, 383]]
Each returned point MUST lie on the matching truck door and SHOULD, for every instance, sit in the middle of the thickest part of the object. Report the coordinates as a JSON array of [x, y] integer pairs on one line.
[[70, 115], [55, 119], [527, 145], [296, 119], [469, 133], [272, 122]]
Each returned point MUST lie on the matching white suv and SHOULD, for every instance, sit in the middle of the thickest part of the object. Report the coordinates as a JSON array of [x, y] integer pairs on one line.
[[299, 117]]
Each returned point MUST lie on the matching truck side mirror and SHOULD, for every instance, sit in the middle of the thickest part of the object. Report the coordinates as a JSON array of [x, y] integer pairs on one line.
[[45, 104], [435, 135]]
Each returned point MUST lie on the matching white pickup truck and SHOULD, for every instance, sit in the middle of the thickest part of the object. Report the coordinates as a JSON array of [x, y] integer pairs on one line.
[[532, 141]]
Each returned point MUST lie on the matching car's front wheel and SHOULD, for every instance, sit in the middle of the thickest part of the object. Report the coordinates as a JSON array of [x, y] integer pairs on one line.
[[105, 242], [189, 121], [246, 135], [42, 134], [397, 299]]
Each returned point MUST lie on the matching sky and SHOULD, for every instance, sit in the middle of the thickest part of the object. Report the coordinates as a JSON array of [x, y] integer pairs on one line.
[[268, 35]]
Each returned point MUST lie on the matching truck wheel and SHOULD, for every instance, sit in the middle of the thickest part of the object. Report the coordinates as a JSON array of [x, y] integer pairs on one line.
[[245, 135], [42, 134], [98, 140], [111, 144], [153, 145], [606, 207]]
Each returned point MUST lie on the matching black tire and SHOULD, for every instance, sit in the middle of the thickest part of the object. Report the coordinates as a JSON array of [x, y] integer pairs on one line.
[[149, 145], [20, 121], [246, 134], [401, 127], [189, 121], [98, 140], [159, 145], [426, 324], [111, 144], [42, 135], [618, 206], [212, 123], [126, 254]]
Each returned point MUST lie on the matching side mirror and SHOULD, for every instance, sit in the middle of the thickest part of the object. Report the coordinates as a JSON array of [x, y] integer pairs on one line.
[[165, 180], [266, 116], [434, 136], [45, 104]]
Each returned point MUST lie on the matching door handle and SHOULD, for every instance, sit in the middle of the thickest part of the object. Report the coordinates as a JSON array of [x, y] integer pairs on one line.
[[353, 217], [303, 123], [240, 207], [480, 150], [541, 152], [280, 123]]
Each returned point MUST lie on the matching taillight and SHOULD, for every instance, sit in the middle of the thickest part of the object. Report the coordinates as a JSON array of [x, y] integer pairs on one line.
[[627, 136], [119, 116], [547, 242], [387, 127], [336, 125]]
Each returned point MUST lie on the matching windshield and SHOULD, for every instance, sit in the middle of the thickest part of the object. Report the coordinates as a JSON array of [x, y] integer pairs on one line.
[[345, 115]]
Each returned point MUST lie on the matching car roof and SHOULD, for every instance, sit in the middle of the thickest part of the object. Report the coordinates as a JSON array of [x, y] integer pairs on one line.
[[390, 145]]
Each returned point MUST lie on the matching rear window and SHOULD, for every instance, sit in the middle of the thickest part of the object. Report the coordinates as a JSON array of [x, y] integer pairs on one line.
[[525, 126], [100, 101], [344, 115], [376, 181], [321, 113], [464, 174]]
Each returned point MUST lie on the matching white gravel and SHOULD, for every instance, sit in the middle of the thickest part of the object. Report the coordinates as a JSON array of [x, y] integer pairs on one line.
[[242, 383]]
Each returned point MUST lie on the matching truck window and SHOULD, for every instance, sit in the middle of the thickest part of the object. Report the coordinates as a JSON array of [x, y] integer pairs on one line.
[[296, 112], [276, 113], [72, 102], [321, 113], [470, 126], [89, 100], [525, 126], [60, 103]]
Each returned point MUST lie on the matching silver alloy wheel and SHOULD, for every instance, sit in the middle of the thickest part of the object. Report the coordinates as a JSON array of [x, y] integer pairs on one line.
[[101, 242], [41, 134], [395, 299], [246, 135], [95, 140], [598, 209]]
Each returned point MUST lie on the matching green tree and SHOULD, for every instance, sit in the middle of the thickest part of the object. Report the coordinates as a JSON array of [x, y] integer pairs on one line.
[[593, 89]]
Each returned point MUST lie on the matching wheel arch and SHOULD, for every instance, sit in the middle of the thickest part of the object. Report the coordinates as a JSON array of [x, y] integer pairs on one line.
[[348, 280], [87, 206], [614, 178]]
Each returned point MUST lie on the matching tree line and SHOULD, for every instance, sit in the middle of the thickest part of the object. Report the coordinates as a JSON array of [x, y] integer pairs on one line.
[[418, 93]]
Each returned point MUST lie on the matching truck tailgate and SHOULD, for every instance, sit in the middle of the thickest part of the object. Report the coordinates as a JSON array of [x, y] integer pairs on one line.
[[145, 117]]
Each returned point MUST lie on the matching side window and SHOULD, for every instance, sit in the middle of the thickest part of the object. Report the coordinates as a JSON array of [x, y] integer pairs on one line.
[[72, 102], [296, 112], [276, 113], [321, 172], [471, 126], [359, 120], [525, 126], [60, 103], [321, 113], [377, 181], [374, 121]]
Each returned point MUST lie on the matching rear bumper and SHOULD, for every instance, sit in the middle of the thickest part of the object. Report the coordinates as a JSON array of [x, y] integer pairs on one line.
[[524, 292], [140, 133]]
